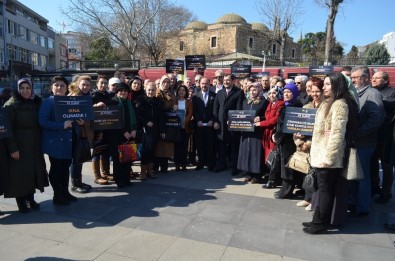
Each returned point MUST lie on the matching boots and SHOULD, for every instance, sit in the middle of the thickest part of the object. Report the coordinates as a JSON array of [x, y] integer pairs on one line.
[[22, 206], [105, 169], [78, 187], [143, 172], [31, 203], [96, 171], [68, 196], [150, 171], [59, 198]]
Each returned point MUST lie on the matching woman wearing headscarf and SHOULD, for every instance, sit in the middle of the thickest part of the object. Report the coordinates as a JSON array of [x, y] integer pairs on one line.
[[250, 150], [27, 166], [285, 144], [276, 103]]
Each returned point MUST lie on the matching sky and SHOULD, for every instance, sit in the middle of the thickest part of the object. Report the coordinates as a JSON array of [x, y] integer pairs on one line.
[[359, 22]]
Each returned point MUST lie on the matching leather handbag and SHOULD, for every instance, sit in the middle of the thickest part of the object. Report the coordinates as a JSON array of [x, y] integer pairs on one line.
[[310, 183], [299, 161], [129, 152], [82, 150], [352, 169], [273, 161]]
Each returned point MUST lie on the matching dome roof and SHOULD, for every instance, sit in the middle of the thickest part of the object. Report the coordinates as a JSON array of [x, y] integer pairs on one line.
[[231, 19], [259, 26], [196, 25]]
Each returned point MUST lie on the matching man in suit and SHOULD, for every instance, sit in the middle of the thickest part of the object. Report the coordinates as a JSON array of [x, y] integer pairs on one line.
[[219, 76], [300, 81], [229, 98], [204, 131]]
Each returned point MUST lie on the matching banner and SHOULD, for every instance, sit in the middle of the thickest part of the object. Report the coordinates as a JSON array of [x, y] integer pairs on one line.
[[174, 119], [240, 71], [109, 118], [195, 61], [241, 120], [299, 120], [259, 75], [174, 66], [73, 108], [320, 71], [5, 126]]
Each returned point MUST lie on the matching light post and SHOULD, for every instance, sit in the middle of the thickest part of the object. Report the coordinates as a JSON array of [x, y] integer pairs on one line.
[[264, 61]]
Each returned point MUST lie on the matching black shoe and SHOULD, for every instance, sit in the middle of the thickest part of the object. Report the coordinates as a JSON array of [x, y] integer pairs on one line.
[[198, 167], [22, 206], [384, 198], [33, 205], [79, 189], [281, 196], [376, 191], [69, 197], [315, 229], [87, 186], [184, 168], [307, 224], [390, 226], [269, 185], [60, 199]]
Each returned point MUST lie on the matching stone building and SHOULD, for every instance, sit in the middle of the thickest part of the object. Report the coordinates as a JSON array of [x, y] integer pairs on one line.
[[230, 34]]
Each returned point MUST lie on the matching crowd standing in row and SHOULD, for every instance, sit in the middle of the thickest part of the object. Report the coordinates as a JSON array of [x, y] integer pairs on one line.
[[351, 107]]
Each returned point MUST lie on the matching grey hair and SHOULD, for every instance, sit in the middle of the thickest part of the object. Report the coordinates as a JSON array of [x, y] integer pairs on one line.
[[364, 70], [303, 78]]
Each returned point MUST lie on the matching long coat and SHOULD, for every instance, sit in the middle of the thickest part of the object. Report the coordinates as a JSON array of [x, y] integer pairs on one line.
[[165, 149], [29, 172], [250, 149], [268, 124], [4, 164]]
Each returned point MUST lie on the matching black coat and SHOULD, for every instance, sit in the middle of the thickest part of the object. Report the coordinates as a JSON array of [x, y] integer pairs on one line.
[[222, 105], [208, 109], [389, 134]]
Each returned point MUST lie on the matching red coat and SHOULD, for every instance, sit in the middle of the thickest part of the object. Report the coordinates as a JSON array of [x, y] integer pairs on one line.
[[271, 115]]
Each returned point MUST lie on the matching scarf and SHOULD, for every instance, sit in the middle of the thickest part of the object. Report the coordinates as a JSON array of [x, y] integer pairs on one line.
[[132, 117]]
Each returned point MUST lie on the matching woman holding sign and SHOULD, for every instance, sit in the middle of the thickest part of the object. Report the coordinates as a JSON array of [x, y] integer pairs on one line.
[[250, 150], [57, 143]]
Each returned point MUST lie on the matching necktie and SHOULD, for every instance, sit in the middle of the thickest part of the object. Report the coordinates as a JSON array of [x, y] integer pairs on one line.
[[227, 92], [205, 98]]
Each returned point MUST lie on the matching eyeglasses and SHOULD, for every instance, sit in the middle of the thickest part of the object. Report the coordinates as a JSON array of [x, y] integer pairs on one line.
[[297, 82], [355, 77]]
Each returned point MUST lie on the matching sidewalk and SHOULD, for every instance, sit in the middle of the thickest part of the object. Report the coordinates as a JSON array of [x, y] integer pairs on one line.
[[193, 215]]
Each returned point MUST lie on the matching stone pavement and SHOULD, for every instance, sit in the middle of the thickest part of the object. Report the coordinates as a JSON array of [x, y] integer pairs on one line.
[[193, 215]]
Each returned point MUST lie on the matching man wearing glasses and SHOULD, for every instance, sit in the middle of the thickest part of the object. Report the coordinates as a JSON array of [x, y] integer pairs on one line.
[[219, 75], [381, 82], [300, 81], [370, 119]]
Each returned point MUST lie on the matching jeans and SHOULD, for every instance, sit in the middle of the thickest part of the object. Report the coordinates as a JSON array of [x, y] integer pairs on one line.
[[76, 171], [360, 196]]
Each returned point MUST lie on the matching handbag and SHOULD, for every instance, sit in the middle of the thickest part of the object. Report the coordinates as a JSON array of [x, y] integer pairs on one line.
[[147, 140], [352, 167], [299, 161], [310, 181], [273, 161], [82, 149], [129, 152]]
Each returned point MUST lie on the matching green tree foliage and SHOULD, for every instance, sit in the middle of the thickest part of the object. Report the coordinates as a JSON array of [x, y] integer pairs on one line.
[[101, 49], [377, 54], [353, 55]]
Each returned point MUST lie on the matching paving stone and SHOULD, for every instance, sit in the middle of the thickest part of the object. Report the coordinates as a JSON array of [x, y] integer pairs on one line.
[[223, 214], [166, 223], [236, 254], [361, 252]]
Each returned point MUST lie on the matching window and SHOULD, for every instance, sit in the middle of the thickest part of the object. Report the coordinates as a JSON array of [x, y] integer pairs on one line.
[[22, 32], [34, 58], [33, 38], [63, 51], [213, 42], [274, 49], [1, 28], [182, 46], [10, 27], [51, 43], [251, 43], [293, 53], [24, 55], [11, 52], [43, 60], [43, 41], [63, 64]]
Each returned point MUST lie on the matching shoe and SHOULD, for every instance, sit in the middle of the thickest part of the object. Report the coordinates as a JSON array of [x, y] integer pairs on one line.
[[184, 168], [270, 184], [235, 172], [81, 189], [87, 186], [302, 203], [309, 208], [247, 179], [198, 167], [315, 229], [101, 181], [307, 224], [281, 196], [22, 206], [299, 193], [384, 198], [255, 181], [108, 177], [32, 204], [376, 191], [68, 196], [390, 226], [60, 199]]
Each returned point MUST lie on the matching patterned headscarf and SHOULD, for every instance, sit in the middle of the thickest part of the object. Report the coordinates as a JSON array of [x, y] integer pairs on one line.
[[279, 92]]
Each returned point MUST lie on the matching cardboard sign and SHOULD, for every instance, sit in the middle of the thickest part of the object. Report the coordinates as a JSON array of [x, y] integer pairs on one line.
[[320, 71], [299, 120], [241, 71], [195, 61], [174, 119], [5, 126], [73, 108], [241, 120], [174, 66], [259, 75], [109, 118]]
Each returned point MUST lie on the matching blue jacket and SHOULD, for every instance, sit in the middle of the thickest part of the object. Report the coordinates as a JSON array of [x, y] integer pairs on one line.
[[56, 141]]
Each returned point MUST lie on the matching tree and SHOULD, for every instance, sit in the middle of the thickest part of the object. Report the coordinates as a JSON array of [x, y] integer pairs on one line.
[[123, 21], [377, 54], [333, 8], [280, 16], [353, 55], [100, 48]]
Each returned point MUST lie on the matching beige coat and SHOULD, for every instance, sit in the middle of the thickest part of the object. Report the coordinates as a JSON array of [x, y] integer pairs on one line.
[[329, 148]]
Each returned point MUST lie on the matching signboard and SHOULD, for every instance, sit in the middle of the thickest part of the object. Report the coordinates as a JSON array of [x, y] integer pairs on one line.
[[241, 120], [320, 71], [5, 127], [109, 118], [299, 120], [174, 66], [293, 75], [174, 119], [195, 61], [259, 75], [240, 71], [73, 108]]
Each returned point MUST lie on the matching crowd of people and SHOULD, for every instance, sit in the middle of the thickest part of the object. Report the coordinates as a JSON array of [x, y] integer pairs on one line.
[[351, 108]]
